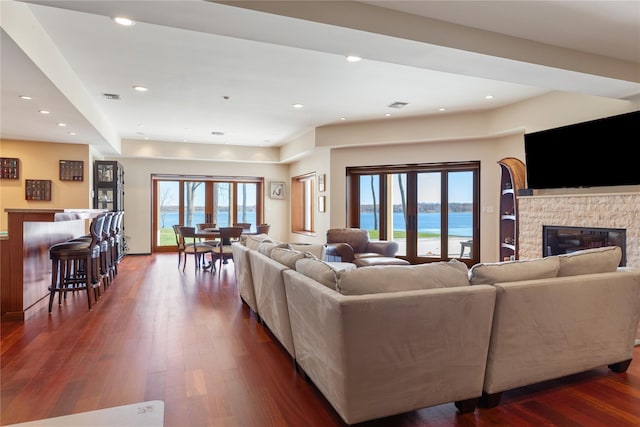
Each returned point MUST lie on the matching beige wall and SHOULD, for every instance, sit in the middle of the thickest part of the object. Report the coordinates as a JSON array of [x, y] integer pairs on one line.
[[40, 160]]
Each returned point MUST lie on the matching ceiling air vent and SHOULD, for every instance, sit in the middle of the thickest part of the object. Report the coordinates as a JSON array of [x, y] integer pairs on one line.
[[398, 104], [111, 96]]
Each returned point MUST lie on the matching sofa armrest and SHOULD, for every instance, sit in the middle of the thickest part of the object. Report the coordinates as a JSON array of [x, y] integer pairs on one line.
[[383, 247], [342, 250]]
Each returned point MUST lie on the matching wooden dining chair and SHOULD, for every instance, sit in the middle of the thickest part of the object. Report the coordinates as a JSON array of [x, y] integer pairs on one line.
[[263, 228], [223, 251], [188, 244], [244, 225]]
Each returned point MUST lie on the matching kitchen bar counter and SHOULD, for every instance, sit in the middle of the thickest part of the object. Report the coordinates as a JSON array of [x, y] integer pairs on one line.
[[26, 268]]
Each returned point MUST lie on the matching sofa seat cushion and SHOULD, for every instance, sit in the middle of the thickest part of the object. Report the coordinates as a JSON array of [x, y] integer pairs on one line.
[[590, 261], [396, 278], [379, 260], [514, 271], [366, 255], [322, 271]]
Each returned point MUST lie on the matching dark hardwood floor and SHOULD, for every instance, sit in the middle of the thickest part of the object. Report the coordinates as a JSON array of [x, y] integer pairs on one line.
[[187, 339]]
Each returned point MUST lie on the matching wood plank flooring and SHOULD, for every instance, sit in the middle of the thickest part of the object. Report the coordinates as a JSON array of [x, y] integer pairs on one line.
[[187, 339]]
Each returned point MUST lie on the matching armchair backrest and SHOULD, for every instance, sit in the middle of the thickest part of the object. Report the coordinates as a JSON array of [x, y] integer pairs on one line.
[[357, 238]]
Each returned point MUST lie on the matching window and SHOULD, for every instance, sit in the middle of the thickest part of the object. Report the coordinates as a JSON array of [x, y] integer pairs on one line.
[[302, 203], [431, 210], [190, 201]]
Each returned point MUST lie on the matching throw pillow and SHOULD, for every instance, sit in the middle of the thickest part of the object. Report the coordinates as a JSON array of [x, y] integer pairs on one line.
[[286, 257], [590, 261], [319, 271], [395, 278], [513, 271]]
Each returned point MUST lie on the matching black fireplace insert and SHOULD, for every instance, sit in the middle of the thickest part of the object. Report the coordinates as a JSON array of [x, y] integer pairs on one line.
[[557, 240]]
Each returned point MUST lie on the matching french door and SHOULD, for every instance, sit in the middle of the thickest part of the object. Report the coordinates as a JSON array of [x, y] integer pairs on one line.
[[430, 210], [188, 202]]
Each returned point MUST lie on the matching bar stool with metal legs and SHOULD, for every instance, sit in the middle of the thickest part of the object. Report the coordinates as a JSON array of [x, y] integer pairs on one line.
[[76, 266]]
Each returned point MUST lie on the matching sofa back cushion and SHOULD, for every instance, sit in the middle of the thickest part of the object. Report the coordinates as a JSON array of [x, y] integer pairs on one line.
[[253, 241], [319, 271], [316, 249], [590, 261], [395, 278], [287, 257], [514, 271], [267, 246]]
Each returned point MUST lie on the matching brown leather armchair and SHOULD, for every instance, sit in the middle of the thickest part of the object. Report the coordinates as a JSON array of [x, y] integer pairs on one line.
[[350, 244]]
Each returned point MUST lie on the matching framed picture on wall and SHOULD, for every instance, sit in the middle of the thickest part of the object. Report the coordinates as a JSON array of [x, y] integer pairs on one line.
[[277, 190], [321, 183]]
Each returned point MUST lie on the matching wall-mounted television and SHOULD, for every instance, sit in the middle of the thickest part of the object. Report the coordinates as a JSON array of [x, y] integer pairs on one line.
[[597, 153]]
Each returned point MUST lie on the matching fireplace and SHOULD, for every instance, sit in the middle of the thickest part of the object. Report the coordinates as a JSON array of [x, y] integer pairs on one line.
[[558, 240]]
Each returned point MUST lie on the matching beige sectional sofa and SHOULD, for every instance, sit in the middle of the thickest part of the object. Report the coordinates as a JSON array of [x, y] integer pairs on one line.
[[382, 340], [558, 316]]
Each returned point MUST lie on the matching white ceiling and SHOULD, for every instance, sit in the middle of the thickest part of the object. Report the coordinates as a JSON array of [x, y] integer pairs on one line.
[[237, 67]]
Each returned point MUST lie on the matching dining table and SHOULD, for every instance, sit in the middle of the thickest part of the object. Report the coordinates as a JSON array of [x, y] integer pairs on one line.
[[213, 234]]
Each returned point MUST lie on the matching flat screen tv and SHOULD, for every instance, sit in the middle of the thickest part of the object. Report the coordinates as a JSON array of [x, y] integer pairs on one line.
[[597, 153]]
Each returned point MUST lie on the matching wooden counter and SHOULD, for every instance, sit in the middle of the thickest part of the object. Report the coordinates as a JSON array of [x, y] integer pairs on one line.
[[26, 268]]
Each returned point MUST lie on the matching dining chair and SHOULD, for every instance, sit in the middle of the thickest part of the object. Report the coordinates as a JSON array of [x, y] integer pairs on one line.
[[194, 247], [223, 252], [244, 225]]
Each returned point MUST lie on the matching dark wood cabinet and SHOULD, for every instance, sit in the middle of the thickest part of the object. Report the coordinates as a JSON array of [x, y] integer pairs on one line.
[[512, 178], [108, 185]]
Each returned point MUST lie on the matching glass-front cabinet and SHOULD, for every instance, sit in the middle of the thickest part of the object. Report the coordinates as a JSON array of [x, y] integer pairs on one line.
[[108, 185]]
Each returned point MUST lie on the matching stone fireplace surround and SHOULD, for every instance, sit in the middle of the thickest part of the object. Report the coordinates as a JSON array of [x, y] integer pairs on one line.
[[611, 210]]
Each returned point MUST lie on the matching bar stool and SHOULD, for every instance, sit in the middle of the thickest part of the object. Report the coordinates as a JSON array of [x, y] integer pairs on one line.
[[75, 265]]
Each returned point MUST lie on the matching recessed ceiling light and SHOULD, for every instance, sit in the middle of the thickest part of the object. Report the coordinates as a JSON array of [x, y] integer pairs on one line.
[[126, 22], [140, 125], [43, 112], [298, 105], [388, 115], [62, 124], [25, 97], [140, 88], [216, 133], [488, 97], [442, 109], [72, 133], [343, 118], [353, 58]]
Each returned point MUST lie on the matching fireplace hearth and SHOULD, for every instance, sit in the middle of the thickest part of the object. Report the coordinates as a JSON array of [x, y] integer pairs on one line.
[[557, 240]]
